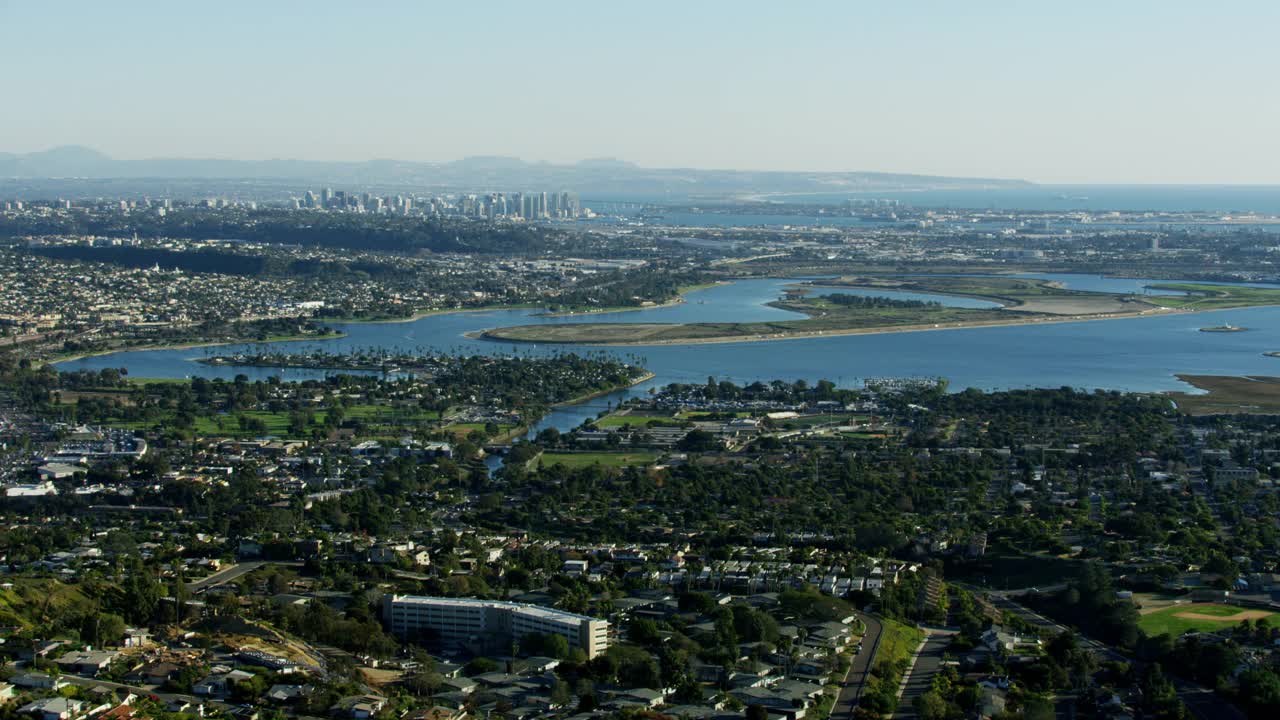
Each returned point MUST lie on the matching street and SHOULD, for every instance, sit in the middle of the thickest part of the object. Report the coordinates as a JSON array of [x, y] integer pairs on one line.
[[920, 676], [233, 572], [851, 687]]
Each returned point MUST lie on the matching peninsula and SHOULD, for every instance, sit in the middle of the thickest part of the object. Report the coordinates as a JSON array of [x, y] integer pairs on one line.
[[1013, 301]]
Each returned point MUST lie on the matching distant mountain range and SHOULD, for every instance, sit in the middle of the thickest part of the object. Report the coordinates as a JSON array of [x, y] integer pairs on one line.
[[600, 175]]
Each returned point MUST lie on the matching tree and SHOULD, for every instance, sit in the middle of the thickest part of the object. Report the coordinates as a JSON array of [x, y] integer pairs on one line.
[[757, 712], [644, 632], [931, 706], [139, 594], [424, 683], [561, 695], [102, 629], [698, 441], [1260, 692]]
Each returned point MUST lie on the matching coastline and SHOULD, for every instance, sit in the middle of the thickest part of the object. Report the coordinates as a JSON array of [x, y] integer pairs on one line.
[[188, 346], [810, 334], [520, 431], [428, 313], [599, 393], [1005, 303], [677, 300]]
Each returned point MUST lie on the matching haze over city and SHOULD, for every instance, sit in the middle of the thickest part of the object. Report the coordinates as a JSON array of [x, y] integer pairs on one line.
[[1080, 92], [697, 360]]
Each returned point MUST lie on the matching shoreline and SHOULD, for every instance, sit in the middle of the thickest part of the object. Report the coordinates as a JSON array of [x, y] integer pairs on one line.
[[510, 437], [600, 393], [1001, 303], [427, 313], [56, 360], [810, 334], [527, 306], [677, 300]]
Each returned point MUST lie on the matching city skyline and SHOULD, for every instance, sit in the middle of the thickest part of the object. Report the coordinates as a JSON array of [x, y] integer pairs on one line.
[[1145, 93]]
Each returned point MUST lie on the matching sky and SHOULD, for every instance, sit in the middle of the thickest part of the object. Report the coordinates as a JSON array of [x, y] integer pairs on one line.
[[1055, 91]]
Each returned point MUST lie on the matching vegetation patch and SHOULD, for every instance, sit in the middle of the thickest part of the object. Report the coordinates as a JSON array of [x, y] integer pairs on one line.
[[1229, 394], [577, 460], [1196, 617]]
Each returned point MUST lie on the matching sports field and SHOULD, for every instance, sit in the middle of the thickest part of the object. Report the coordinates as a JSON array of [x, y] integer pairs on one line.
[[1202, 617]]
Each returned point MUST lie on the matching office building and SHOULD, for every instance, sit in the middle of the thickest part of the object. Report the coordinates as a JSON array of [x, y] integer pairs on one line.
[[489, 624]]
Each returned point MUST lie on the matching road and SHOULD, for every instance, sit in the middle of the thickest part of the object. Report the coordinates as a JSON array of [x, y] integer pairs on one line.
[[851, 687], [229, 574], [920, 676]]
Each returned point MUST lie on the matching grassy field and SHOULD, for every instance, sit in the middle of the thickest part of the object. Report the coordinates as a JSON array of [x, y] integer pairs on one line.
[[461, 430], [32, 601], [1196, 617], [607, 459], [898, 642], [699, 414], [636, 421], [806, 421], [1206, 296], [1229, 394]]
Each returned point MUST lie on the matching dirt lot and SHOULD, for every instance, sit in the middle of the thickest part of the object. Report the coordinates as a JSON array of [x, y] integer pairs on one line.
[[1242, 615]]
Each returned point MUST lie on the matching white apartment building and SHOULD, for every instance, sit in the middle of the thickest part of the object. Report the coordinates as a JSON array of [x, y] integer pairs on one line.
[[461, 621]]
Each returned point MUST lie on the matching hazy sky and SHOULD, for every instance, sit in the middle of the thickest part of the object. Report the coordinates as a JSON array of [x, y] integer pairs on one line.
[[1047, 90]]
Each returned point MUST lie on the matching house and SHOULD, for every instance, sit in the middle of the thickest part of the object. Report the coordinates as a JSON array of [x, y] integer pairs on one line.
[[996, 639], [436, 713], [638, 696], [154, 673], [289, 693], [136, 637], [458, 684], [54, 708], [361, 707], [41, 650], [178, 705], [991, 702], [220, 683], [38, 681], [123, 711], [7, 692], [86, 662]]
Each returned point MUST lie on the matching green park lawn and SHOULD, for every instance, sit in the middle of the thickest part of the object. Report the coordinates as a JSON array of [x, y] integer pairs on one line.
[[635, 421], [607, 459], [1166, 620]]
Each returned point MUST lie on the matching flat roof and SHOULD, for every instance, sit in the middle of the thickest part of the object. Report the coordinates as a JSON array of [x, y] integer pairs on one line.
[[503, 604]]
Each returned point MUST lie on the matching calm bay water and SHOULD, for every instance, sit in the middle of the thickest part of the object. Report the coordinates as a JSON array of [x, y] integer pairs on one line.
[[1137, 198], [1140, 354]]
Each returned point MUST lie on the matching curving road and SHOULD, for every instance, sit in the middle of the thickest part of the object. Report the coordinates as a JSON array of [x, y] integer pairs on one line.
[[233, 572]]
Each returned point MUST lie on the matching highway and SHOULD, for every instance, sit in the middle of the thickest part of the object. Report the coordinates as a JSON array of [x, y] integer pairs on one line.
[[230, 574], [851, 686]]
